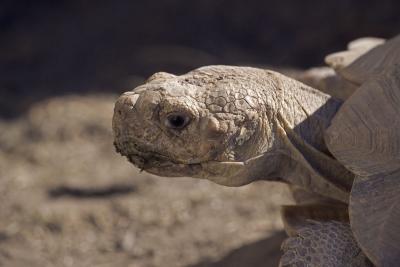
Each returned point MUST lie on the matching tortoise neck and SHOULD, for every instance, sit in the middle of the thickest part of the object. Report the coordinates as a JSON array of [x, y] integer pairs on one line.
[[306, 111], [302, 117]]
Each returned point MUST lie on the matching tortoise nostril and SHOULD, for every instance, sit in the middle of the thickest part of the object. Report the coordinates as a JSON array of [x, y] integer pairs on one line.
[[125, 104]]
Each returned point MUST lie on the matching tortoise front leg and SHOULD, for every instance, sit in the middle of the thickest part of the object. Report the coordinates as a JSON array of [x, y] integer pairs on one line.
[[319, 244]]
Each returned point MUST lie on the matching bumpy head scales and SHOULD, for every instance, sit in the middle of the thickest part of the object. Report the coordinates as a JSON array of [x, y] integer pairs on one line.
[[207, 123]]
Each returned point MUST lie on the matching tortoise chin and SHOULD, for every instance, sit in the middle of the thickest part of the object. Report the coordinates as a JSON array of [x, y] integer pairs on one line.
[[171, 169], [224, 173], [175, 170]]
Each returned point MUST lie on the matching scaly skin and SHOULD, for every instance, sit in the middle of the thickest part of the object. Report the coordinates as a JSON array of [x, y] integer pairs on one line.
[[235, 125], [323, 244], [244, 124]]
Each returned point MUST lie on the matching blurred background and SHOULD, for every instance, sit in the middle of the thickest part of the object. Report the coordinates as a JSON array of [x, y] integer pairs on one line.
[[67, 199]]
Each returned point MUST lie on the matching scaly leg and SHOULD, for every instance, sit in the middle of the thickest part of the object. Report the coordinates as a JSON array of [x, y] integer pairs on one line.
[[320, 244]]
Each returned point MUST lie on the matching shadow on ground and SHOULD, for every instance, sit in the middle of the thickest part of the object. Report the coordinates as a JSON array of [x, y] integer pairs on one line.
[[76, 192], [265, 252]]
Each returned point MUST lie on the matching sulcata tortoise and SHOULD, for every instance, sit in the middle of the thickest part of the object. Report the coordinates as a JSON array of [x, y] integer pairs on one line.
[[235, 125]]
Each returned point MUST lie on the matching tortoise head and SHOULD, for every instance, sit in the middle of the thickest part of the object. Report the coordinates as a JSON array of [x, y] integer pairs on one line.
[[194, 125]]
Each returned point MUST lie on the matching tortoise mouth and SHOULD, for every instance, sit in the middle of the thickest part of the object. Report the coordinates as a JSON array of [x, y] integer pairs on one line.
[[158, 164], [229, 173], [224, 173], [163, 166]]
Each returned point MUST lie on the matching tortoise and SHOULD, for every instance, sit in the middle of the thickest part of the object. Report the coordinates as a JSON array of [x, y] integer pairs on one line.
[[235, 125]]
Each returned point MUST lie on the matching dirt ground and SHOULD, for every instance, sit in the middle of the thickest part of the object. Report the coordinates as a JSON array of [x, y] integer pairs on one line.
[[67, 199]]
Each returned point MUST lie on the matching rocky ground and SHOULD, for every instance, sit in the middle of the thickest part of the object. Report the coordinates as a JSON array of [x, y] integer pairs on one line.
[[67, 199]]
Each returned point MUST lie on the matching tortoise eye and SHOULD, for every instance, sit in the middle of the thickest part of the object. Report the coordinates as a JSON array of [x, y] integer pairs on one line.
[[176, 120]]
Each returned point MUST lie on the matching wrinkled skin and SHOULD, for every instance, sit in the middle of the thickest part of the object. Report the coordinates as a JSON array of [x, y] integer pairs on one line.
[[231, 125], [222, 129], [234, 125]]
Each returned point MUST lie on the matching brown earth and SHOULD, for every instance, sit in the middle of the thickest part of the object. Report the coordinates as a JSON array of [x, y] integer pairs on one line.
[[67, 199]]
